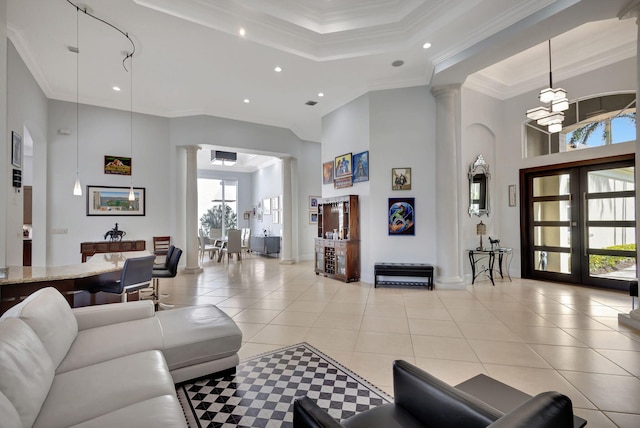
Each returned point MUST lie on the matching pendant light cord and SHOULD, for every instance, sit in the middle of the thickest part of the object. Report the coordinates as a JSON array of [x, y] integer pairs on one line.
[[550, 75], [77, 91]]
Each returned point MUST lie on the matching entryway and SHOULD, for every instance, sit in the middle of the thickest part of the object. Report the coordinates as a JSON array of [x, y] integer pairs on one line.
[[579, 222]]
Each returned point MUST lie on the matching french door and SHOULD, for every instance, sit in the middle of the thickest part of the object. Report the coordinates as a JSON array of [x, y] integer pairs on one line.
[[579, 223]]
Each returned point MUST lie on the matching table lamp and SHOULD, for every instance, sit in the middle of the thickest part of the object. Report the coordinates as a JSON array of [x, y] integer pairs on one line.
[[481, 229]]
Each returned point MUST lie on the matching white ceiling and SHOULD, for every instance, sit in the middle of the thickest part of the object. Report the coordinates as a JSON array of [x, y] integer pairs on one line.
[[191, 60]]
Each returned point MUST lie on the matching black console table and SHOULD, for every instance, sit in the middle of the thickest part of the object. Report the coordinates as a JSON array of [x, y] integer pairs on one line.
[[476, 257]]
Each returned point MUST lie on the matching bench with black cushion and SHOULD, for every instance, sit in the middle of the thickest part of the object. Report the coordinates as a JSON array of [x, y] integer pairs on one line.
[[404, 270]]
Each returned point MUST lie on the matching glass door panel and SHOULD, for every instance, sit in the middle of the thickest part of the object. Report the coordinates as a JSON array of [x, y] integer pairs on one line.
[[552, 261]]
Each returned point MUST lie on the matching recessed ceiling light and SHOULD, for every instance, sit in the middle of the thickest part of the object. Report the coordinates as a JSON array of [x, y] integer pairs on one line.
[[397, 63], [278, 69], [116, 88], [321, 94], [247, 100], [242, 32], [426, 45]]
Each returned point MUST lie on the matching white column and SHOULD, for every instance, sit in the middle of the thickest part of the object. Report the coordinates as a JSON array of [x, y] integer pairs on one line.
[[637, 168], [447, 269], [191, 207], [286, 249], [5, 164]]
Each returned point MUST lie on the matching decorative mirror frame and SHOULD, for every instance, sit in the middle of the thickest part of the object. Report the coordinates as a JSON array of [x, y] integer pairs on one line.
[[479, 167]]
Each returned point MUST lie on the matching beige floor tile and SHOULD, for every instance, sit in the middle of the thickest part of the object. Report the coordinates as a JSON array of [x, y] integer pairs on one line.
[[448, 348], [507, 353], [261, 316], [472, 315], [522, 318], [624, 420], [384, 343], [280, 335], [546, 335], [606, 391], [252, 349], [386, 310], [533, 381], [577, 359], [385, 325], [249, 330], [294, 318], [628, 360], [600, 339], [579, 321], [238, 302], [345, 307], [342, 357], [208, 300], [451, 372], [307, 306], [488, 331], [376, 368], [428, 313], [339, 321], [434, 328], [268, 303], [331, 339]]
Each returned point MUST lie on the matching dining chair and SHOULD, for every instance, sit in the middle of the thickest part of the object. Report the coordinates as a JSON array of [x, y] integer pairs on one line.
[[246, 237], [212, 250], [234, 244], [161, 245]]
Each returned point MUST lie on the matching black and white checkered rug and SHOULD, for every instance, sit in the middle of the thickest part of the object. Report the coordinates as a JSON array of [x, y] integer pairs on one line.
[[262, 391]]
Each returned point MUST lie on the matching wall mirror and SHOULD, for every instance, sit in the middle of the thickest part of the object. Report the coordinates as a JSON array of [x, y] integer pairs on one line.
[[479, 188]]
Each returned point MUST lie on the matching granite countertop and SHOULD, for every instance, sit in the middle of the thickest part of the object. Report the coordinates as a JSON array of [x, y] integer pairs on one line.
[[97, 264]]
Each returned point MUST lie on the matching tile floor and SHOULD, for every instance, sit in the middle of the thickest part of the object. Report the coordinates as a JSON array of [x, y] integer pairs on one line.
[[532, 335]]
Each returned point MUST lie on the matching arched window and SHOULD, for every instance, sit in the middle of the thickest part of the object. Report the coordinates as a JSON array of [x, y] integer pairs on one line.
[[590, 122]]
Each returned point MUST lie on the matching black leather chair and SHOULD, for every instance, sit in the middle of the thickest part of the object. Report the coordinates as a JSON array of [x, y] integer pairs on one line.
[[170, 270], [165, 263], [136, 275], [422, 400]]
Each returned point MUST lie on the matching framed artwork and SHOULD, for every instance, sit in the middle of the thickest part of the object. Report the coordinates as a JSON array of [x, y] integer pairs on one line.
[[400, 178], [313, 217], [103, 200], [260, 216], [246, 215], [16, 149], [276, 217], [512, 195], [313, 203], [361, 167], [342, 166], [402, 216], [327, 172], [266, 206], [275, 203], [117, 165], [342, 182]]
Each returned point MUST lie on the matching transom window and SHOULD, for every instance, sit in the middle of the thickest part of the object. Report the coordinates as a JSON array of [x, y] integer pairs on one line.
[[592, 122]]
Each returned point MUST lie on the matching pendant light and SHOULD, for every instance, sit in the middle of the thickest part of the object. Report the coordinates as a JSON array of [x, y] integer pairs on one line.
[[552, 114], [77, 188], [132, 195]]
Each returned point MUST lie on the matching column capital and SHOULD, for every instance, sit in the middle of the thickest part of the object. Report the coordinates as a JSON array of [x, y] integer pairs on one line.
[[192, 148], [452, 89]]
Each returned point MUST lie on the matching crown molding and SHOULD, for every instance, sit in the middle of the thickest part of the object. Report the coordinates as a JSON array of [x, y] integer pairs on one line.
[[26, 53]]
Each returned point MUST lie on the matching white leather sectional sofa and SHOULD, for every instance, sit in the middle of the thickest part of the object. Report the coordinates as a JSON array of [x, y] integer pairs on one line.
[[106, 366]]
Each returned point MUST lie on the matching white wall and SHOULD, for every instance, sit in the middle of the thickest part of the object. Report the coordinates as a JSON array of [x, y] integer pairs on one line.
[[28, 109], [266, 183], [398, 128], [105, 132]]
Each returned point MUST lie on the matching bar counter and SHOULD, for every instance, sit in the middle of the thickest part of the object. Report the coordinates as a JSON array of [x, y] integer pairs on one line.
[[71, 280]]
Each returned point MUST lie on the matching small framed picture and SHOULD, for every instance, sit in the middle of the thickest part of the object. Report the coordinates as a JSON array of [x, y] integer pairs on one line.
[[16, 149], [117, 165], [327, 172], [275, 217], [275, 203], [361, 167], [266, 206], [342, 166], [313, 203], [512, 195], [313, 217], [246, 215], [400, 178]]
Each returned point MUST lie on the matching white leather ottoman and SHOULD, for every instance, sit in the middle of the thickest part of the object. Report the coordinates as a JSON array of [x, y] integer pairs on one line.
[[198, 341]]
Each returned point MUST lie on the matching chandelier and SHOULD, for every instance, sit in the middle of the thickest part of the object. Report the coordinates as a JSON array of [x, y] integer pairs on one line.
[[551, 114]]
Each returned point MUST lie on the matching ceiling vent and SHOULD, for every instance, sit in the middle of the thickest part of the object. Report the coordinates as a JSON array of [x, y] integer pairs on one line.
[[311, 103], [218, 157]]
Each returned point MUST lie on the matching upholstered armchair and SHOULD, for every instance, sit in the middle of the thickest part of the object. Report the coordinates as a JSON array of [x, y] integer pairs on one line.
[[422, 400]]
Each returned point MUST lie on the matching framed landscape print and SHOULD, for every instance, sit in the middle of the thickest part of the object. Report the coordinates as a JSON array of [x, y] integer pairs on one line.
[[401, 179], [117, 165], [327, 172], [342, 166], [361, 167], [402, 216], [103, 200]]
